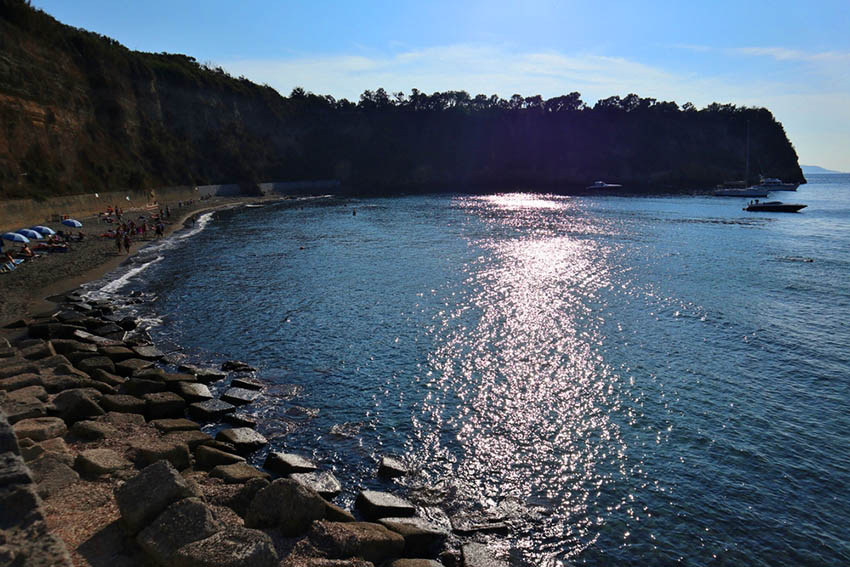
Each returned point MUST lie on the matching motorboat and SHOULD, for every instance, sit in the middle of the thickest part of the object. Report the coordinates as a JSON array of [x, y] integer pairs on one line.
[[748, 192], [774, 184], [603, 185], [773, 207]]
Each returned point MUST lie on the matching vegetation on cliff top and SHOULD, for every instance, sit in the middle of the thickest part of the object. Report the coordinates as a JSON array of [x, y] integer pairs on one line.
[[82, 113]]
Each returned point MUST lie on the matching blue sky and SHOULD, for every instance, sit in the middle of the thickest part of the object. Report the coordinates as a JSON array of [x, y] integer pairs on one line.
[[792, 57]]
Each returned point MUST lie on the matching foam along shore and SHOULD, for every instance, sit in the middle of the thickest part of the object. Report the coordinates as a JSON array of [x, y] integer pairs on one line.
[[98, 441]]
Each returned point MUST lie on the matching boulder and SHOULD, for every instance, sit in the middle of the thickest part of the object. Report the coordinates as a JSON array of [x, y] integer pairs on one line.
[[122, 419], [205, 375], [183, 522], [193, 391], [237, 366], [56, 448], [116, 353], [192, 438], [172, 379], [108, 330], [164, 404], [123, 404], [237, 473], [247, 383], [240, 396], [93, 430], [287, 505], [179, 424], [151, 451], [147, 352], [13, 470], [287, 463], [23, 407], [391, 467], [107, 377], [29, 392], [334, 513], [132, 365], [97, 462], [415, 563], [142, 498], [376, 505], [7, 370], [78, 404], [93, 339], [139, 386], [67, 346], [240, 419], [210, 410], [151, 373], [38, 351], [53, 330], [52, 475], [323, 482], [102, 362], [243, 438], [55, 383], [421, 539], [232, 547], [245, 495], [479, 555], [207, 457], [128, 323], [40, 428], [372, 542]]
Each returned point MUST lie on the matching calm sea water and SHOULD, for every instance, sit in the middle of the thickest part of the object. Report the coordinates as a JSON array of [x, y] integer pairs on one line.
[[628, 381]]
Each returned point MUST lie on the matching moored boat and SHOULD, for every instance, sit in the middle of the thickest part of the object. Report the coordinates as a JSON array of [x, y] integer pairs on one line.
[[748, 192], [603, 185], [774, 184], [773, 207]]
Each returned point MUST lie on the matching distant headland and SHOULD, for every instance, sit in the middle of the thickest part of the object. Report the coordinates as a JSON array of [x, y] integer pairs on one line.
[[81, 113], [807, 169]]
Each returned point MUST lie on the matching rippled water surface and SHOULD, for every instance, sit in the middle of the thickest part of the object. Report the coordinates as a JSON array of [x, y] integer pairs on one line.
[[629, 381]]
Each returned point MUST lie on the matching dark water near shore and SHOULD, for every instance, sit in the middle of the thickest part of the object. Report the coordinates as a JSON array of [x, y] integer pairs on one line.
[[631, 381]]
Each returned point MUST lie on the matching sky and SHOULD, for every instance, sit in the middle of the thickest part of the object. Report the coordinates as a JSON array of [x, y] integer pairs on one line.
[[789, 56]]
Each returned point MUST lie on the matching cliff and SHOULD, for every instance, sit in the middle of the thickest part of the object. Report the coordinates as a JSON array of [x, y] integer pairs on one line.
[[80, 113]]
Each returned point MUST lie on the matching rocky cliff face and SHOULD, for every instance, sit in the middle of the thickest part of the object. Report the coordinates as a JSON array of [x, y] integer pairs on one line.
[[80, 113]]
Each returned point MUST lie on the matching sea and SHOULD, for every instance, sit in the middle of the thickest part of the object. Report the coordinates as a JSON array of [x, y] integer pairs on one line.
[[601, 380]]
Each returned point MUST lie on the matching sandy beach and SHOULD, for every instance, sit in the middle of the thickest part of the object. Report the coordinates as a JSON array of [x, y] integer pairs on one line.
[[24, 291]]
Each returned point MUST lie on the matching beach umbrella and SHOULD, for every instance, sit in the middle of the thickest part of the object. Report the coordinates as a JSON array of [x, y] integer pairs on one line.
[[15, 237], [45, 230], [72, 223], [29, 233]]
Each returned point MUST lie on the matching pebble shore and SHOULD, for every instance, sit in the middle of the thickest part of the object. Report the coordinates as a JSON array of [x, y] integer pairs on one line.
[[102, 454]]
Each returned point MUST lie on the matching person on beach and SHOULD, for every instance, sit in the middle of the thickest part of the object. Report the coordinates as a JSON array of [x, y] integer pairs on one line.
[[159, 229], [127, 242], [118, 240]]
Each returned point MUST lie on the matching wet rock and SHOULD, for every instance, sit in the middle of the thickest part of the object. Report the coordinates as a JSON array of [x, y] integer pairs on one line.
[[247, 383], [93, 430], [142, 498], [87, 365], [334, 513], [40, 428], [376, 505], [210, 410], [123, 404], [151, 451], [205, 375], [78, 404], [97, 462], [415, 563], [207, 457], [164, 404], [391, 467], [240, 396], [237, 473], [147, 352], [151, 373], [193, 391], [108, 329], [479, 555], [127, 324], [232, 547], [67, 346], [237, 366], [52, 475], [322, 482], [287, 463], [70, 317], [469, 525], [53, 330], [372, 542], [287, 505], [179, 424], [243, 438], [172, 379], [132, 365], [421, 539], [183, 522], [240, 419]]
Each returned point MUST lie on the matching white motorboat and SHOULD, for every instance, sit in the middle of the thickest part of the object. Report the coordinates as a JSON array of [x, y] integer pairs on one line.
[[603, 185], [774, 184], [748, 192]]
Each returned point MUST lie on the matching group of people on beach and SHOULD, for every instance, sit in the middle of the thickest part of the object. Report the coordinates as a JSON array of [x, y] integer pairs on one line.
[[126, 232]]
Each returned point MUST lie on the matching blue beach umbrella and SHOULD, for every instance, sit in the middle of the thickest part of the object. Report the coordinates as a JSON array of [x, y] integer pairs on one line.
[[29, 233], [45, 230], [15, 237], [72, 223]]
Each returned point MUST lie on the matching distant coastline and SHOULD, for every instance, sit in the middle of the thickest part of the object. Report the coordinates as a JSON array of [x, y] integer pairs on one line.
[[816, 169]]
